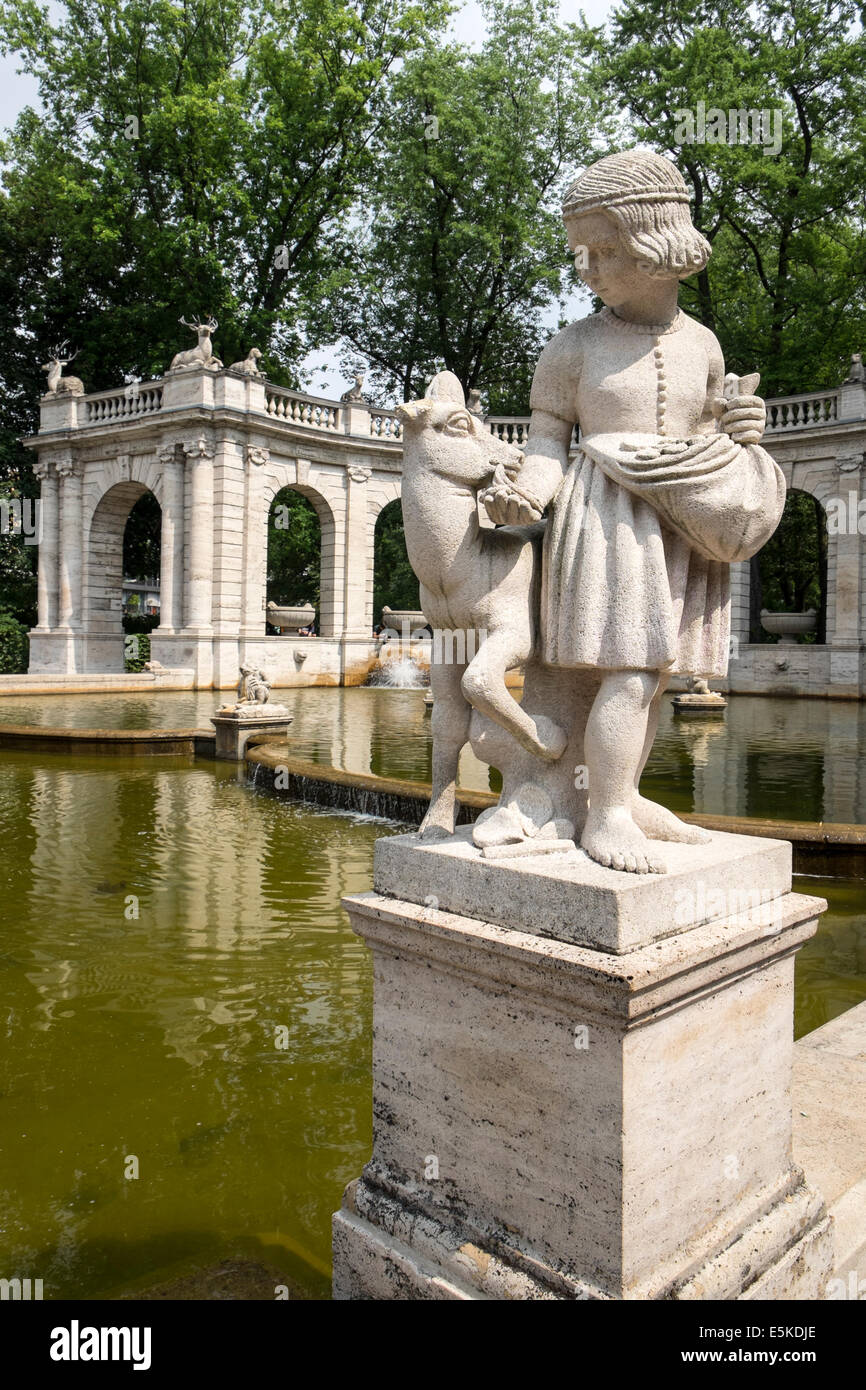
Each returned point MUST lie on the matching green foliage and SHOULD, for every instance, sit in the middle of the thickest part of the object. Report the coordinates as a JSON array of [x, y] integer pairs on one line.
[[315, 170], [17, 565], [394, 581], [191, 158], [784, 289], [460, 248], [142, 539], [138, 623], [14, 644], [294, 550], [136, 648]]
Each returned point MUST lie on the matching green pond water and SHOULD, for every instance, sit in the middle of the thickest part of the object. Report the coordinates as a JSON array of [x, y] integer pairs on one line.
[[784, 759], [179, 983]]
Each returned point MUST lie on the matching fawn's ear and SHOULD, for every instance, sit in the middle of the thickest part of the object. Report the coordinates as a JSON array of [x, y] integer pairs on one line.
[[413, 410]]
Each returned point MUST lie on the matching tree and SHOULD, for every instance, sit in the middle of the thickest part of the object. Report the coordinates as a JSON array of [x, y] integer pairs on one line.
[[191, 157], [294, 550], [460, 248], [14, 645], [142, 539], [394, 581], [784, 289]]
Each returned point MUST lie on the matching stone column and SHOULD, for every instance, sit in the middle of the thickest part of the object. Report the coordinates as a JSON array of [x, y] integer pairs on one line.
[[255, 537], [230, 468], [171, 554], [49, 515], [71, 543], [357, 559], [199, 599]]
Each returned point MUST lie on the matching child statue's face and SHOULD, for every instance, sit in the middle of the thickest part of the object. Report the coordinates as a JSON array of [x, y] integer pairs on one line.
[[603, 262]]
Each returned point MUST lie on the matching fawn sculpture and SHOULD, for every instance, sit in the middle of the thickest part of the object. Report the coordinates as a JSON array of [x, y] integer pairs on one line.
[[479, 585]]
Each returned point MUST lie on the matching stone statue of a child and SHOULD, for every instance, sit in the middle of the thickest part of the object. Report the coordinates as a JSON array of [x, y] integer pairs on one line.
[[670, 486]]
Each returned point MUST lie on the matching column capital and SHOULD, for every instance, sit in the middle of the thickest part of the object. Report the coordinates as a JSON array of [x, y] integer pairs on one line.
[[258, 456], [198, 449], [850, 461], [67, 465], [167, 452], [42, 468]]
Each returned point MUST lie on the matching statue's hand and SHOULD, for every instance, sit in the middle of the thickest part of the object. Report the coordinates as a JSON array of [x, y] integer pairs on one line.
[[506, 505], [743, 418]]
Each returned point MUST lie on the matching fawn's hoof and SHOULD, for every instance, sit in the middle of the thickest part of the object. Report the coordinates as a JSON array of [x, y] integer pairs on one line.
[[498, 825], [430, 831], [552, 740]]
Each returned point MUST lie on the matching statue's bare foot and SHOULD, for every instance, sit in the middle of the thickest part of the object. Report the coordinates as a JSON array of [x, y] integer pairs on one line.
[[658, 823], [611, 838], [552, 740]]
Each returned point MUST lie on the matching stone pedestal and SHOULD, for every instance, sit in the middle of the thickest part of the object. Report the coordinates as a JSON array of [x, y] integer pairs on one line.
[[700, 704], [237, 729], [593, 1102]]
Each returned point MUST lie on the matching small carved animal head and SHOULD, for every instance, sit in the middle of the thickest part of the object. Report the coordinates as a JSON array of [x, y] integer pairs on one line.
[[442, 435]]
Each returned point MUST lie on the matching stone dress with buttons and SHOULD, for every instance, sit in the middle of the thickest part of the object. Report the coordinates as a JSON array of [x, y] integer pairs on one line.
[[620, 590]]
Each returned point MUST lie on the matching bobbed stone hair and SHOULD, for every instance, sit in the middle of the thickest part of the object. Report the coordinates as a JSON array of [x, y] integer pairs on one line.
[[647, 198]]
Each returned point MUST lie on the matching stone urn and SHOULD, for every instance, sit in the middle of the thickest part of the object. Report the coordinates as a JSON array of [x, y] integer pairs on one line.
[[789, 626], [291, 618], [403, 620]]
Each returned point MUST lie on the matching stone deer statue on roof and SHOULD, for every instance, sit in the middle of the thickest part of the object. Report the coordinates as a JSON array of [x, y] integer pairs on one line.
[[249, 365], [202, 354], [59, 385]]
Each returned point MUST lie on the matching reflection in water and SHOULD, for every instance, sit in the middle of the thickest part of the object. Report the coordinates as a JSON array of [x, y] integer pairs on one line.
[[783, 759], [221, 1035], [166, 926]]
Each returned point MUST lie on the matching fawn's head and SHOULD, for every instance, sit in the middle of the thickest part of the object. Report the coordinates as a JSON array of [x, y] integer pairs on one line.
[[441, 434]]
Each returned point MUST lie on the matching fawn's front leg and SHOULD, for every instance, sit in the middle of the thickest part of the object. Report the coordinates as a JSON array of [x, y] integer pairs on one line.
[[484, 686], [451, 715]]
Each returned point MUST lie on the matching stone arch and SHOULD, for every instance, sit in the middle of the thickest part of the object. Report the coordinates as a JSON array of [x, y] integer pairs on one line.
[[330, 599], [798, 585], [103, 596]]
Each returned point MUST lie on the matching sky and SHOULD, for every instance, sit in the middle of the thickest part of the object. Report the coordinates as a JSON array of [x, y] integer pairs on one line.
[[19, 89]]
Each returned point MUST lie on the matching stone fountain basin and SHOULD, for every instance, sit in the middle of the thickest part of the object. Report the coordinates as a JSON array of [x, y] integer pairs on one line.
[[290, 617], [789, 625], [403, 619]]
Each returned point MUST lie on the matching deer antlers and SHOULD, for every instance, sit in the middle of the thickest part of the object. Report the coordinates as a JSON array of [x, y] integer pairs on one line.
[[198, 324], [56, 353]]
